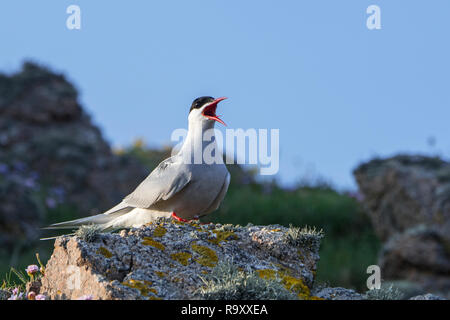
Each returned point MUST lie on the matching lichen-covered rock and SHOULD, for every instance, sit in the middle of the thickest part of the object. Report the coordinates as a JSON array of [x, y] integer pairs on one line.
[[170, 260], [338, 294], [408, 201]]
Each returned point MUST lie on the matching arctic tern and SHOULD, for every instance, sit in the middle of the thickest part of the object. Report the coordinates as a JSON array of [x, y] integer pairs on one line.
[[180, 186]]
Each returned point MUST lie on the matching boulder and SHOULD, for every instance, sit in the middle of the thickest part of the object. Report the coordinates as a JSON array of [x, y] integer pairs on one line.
[[51, 154], [173, 260], [420, 255], [408, 201], [404, 191]]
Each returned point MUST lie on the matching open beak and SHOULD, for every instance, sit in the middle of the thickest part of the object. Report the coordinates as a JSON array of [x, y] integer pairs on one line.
[[210, 111]]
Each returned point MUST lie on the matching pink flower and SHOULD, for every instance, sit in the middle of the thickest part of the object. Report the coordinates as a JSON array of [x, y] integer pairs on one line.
[[16, 295], [32, 269], [86, 297], [41, 297]]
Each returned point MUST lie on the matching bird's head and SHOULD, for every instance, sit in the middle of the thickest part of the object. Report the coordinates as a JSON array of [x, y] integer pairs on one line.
[[204, 109]]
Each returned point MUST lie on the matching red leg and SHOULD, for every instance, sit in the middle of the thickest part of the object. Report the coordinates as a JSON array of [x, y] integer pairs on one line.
[[174, 215]]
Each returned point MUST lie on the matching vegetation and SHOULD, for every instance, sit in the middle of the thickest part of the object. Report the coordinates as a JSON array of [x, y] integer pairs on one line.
[[385, 293], [227, 282]]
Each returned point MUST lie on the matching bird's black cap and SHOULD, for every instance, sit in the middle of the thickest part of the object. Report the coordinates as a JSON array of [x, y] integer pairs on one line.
[[200, 102]]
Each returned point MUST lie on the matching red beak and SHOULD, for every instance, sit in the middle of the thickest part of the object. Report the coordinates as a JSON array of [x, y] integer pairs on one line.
[[210, 111]]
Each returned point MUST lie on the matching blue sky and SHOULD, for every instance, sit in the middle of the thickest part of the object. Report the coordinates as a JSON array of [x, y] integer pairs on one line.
[[339, 93]]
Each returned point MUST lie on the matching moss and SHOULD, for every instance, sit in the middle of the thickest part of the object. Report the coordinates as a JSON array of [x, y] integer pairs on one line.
[[159, 231], [208, 257], [181, 257], [104, 252], [148, 241], [222, 235]]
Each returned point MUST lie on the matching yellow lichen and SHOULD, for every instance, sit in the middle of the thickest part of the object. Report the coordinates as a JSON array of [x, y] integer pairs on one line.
[[104, 252], [143, 287], [208, 257], [155, 298], [160, 274], [291, 283], [181, 257], [159, 231], [223, 236], [266, 273], [275, 230], [137, 284], [148, 241], [296, 285]]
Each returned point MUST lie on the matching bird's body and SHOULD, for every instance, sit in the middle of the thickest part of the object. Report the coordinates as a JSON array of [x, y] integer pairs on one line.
[[181, 185]]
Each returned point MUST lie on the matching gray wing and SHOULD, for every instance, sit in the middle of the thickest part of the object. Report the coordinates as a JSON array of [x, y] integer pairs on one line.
[[168, 178]]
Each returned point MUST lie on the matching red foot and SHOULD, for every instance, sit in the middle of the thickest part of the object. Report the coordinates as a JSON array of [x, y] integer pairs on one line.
[[174, 215]]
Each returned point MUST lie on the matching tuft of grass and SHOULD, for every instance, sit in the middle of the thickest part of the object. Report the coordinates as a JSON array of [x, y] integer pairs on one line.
[[227, 282], [304, 237], [10, 280], [384, 293], [88, 233]]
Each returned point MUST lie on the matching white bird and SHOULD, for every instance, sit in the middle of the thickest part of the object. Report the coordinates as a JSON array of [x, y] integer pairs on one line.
[[180, 186]]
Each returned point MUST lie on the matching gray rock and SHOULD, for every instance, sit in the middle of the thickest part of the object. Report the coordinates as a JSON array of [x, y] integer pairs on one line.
[[338, 294], [169, 260], [418, 255], [427, 296], [51, 153], [408, 201], [405, 191]]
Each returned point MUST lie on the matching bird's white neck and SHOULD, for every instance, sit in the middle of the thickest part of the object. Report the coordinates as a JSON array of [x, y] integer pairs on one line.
[[200, 135]]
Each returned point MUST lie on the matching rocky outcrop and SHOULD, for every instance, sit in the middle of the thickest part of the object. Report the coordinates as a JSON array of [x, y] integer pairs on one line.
[[173, 260], [338, 293], [408, 201], [51, 153]]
